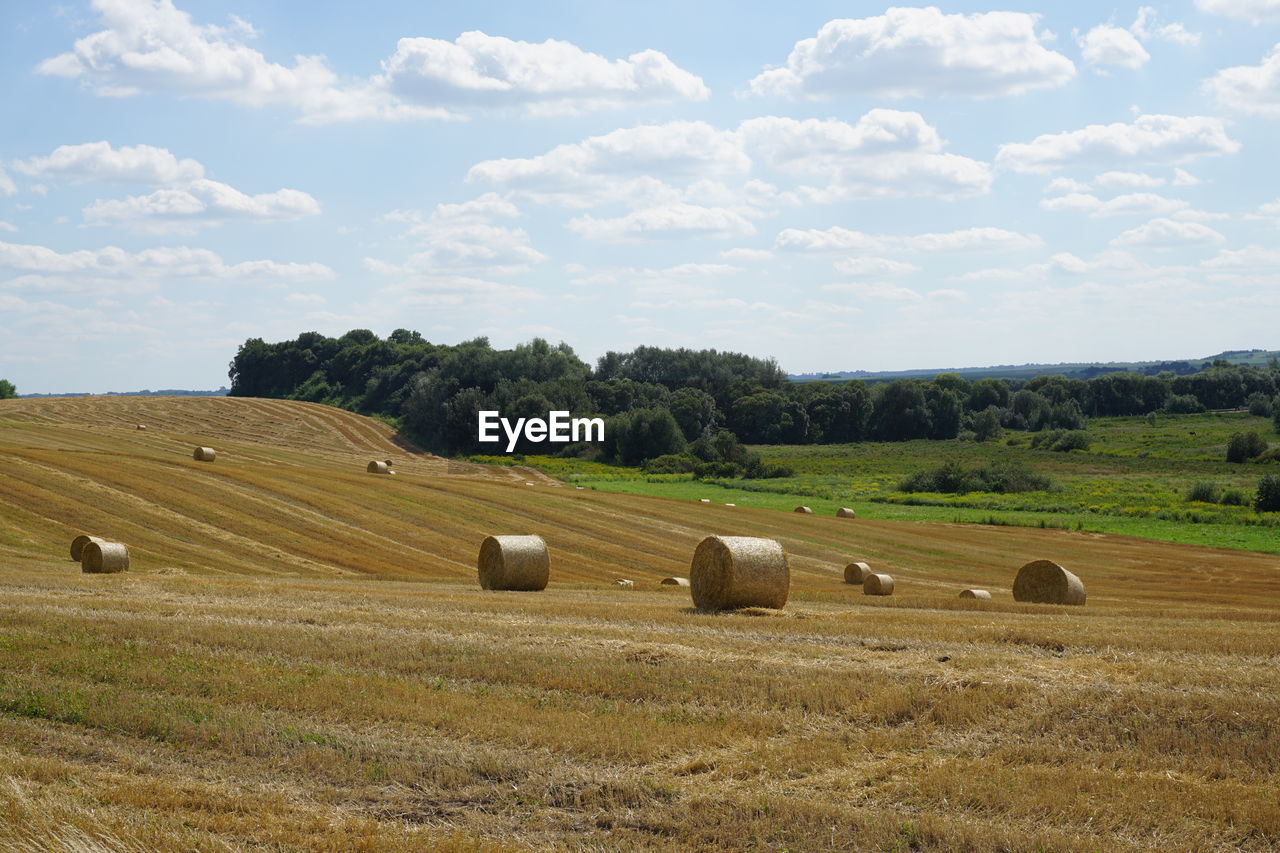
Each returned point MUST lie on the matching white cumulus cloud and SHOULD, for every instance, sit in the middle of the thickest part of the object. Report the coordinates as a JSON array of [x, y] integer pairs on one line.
[[152, 46], [918, 52], [866, 267], [1253, 11], [1129, 180], [1146, 204], [1165, 233], [1253, 89], [1148, 139], [199, 203], [167, 262], [479, 70], [99, 161], [678, 221], [837, 239], [1107, 45]]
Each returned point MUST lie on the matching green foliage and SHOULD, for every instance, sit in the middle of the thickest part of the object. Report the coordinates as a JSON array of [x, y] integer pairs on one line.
[[1204, 492], [999, 477], [1275, 412], [1267, 498], [1258, 404], [1061, 440], [633, 437], [986, 425], [1183, 404], [7, 390], [1243, 446], [1234, 497]]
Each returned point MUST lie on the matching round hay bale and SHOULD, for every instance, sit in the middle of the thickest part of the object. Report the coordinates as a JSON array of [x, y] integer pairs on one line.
[[803, 510], [980, 594], [1045, 582], [845, 512], [377, 467], [624, 583], [730, 504], [104, 558], [141, 426], [390, 464], [674, 581], [875, 584], [204, 454], [514, 562], [856, 572], [729, 572], [704, 500], [77, 545]]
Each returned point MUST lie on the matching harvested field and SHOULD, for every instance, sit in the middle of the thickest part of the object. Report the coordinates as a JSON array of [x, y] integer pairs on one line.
[[299, 658]]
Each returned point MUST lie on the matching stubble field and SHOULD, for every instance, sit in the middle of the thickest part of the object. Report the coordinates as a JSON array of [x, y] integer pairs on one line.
[[301, 659]]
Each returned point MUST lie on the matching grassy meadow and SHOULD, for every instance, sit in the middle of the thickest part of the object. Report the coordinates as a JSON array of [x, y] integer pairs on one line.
[[1134, 480], [300, 659]]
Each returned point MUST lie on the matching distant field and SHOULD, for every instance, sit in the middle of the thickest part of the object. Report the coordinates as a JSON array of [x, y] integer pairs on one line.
[[301, 659], [1133, 481]]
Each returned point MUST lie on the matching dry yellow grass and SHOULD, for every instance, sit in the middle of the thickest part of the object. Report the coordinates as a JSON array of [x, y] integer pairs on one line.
[[299, 659]]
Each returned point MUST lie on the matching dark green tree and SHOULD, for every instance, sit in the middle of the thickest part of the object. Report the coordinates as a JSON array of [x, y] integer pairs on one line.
[[7, 391]]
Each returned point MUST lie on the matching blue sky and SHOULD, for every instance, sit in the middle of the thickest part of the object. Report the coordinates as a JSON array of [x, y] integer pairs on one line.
[[837, 185]]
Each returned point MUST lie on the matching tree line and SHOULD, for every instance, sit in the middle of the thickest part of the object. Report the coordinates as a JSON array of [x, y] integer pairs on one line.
[[662, 402]]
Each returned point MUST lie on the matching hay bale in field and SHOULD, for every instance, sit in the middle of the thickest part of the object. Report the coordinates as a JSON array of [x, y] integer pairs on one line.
[[704, 500], [980, 594], [845, 512], [141, 426], [1045, 582], [729, 572], [104, 558], [803, 510], [514, 562], [674, 581], [624, 583], [730, 504], [856, 572], [378, 467], [204, 454], [77, 545], [874, 584], [390, 464]]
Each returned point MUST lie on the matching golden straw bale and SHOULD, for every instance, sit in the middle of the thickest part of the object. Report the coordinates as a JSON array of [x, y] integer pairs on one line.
[[875, 584], [104, 558], [204, 454], [514, 562], [674, 581], [845, 512], [980, 594], [803, 510], [1045, 582], [729, 572], [77, 545], [856, 572], [377, 467]]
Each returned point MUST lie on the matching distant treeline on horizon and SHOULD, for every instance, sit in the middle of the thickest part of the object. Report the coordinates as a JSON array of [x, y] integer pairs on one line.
[[696, 405], [167, 392]]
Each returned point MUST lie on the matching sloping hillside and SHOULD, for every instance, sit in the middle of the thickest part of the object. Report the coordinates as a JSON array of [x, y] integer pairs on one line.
[[289, 495]]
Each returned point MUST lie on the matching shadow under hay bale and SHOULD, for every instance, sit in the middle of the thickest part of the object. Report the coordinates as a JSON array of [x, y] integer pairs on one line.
[[377, 467], [104, 558], [731, 572], [1045, 582], [77, 545], [875, 584], [845, 512], [674, 581], [979, 594], [514, 563], [803, 510], [204, 454], [856, 572]]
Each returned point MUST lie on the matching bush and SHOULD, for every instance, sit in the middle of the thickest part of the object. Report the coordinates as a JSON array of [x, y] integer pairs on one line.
[[1268, 497], [669, 463], [1204, 492], [1061, 440], [1183, 404], [954, 479], [1258, 404], [986, 425], [1234, 497], [1243, 446]]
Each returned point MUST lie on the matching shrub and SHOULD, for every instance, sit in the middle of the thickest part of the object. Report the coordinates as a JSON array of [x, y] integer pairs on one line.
[[1061, 440], [1258, 404], [986, 425], [1204, 492], [953, 478], [1268, 496], [669, 463], [1183, 404], [1234, 497], [1243, 446]]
